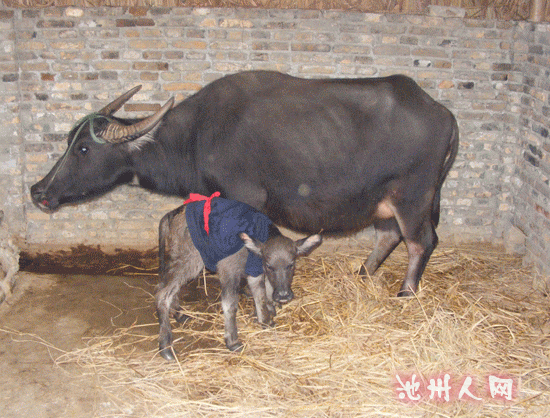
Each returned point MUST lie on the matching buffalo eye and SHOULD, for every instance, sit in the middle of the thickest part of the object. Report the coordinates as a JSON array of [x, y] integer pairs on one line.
[[83, 150]]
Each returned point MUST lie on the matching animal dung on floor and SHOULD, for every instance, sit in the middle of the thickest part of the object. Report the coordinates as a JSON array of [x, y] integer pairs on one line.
[[344, 344]]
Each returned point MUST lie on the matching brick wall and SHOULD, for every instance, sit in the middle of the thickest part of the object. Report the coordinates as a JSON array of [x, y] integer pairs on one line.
[[58, 64], [11, 181], [532, 202]]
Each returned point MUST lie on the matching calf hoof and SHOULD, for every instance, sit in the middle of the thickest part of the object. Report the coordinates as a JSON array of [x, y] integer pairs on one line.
[[181, 318], [271, 309], [269, 324], [236, 347], [168, 354]]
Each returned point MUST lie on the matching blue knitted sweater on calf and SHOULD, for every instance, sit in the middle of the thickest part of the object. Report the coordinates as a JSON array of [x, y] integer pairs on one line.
[[227, 219]]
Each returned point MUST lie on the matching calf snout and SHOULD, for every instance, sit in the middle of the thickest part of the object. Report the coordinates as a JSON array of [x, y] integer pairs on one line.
[[283, 295]]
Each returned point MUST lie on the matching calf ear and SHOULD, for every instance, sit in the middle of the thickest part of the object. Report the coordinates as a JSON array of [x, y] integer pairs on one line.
[[251, 244], [306, 245]]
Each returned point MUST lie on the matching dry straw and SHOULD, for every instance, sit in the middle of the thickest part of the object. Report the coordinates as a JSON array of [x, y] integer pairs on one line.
[[485, 9], [337, 347]]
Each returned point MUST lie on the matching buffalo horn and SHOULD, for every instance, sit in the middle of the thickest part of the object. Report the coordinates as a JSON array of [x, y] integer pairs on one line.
[[116, 132], [119, 102]]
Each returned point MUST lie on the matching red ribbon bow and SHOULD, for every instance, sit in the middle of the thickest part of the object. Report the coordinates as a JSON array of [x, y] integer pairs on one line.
[[193, 197]]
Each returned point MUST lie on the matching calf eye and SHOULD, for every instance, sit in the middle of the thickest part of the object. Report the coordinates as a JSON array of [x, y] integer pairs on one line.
[[83, 150]]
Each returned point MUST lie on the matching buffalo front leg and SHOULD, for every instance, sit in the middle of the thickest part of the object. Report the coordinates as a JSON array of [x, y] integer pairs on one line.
[[387, 238]]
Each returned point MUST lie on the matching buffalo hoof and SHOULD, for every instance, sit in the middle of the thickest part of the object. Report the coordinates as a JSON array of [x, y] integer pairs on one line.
[[406, 294], [236, 348], [168, 354]]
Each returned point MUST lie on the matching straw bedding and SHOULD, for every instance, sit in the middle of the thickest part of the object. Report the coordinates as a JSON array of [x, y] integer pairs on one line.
[[337, 347]]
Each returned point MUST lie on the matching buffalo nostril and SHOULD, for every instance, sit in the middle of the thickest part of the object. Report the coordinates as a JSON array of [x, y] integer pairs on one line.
[[36, 195]]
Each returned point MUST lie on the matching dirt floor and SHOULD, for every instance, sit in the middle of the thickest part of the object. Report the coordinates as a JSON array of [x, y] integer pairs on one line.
[[61, 301], [50, 314]]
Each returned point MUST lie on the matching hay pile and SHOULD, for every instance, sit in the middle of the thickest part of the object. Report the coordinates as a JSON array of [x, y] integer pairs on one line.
[[338, 345]]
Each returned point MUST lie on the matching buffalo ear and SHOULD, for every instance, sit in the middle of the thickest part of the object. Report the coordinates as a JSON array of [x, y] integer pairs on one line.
[[251, 244], [306, 245]]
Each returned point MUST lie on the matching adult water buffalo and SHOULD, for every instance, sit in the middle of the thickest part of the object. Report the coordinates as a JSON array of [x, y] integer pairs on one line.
[[335, 155]]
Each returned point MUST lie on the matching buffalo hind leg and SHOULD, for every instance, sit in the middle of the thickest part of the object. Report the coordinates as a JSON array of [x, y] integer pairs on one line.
[[413, 214], [179, 264], [419, 247], [420, 240], [387, 238]]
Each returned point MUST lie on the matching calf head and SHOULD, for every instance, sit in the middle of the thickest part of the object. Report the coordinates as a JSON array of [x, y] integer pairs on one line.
[[279, 254]]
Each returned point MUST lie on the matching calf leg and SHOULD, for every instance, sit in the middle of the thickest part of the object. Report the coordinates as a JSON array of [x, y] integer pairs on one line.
[[230, 271], [265, 311], [179, 263], [271, 304], [230, 304], [387, 238]]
